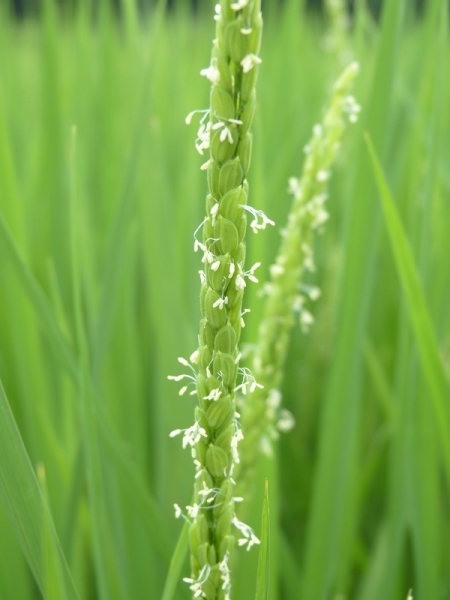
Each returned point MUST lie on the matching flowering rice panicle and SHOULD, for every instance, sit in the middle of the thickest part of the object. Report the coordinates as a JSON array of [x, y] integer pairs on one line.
[[213, 369], [286, 295]]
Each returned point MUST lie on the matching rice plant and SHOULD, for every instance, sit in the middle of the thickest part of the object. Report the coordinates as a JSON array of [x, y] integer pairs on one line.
[[100, 193]]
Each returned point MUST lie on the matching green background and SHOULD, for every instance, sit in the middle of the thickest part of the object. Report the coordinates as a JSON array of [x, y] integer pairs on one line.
[[100, 192]]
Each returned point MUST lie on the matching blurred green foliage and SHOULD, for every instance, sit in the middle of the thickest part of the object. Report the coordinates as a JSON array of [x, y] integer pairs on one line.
[[100, 192], [22, 7]]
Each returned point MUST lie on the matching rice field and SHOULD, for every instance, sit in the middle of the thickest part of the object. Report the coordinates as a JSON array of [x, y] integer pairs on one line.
[[100, 193]]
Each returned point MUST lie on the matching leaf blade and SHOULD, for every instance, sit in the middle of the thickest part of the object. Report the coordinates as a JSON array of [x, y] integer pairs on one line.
[[417, 307], [26, 508], [176, 564], [262, 579]]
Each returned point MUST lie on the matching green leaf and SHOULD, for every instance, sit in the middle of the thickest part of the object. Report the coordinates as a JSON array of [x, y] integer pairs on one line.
[[116, 248], [28, 511], [417, 308], [262, 578], [332, 526], [110, 570], [54, 581], [287, 561], [176, 564], [143, 501], [11, 253]]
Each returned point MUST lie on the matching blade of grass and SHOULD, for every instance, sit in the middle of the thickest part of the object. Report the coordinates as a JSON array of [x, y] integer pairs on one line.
[[417, 307], [11, 253], [380, 381], [414, 497], [15, 580], [176, 564], [144, 502], [331, 527], [262, 577], [289, 574], [25, 505], [109, 573], [424, 500], [49, 325], [374, 575], [55, 584], [116, 248]]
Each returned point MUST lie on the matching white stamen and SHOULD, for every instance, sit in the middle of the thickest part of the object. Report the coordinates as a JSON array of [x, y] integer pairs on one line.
[[213, 395], [176, 377], [323, 176], [249, 61], [286, 421], [294, 187], [240, 283], [211, 73], [249, 537], [239, 5], [257, 215], [220, 303], [225, 134]]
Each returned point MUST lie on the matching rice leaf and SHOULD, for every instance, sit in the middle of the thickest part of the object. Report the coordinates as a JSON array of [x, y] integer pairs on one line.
[[11, 253], [27, 510], [332, 525], [172, 584], [262, 577], [418, 310]]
